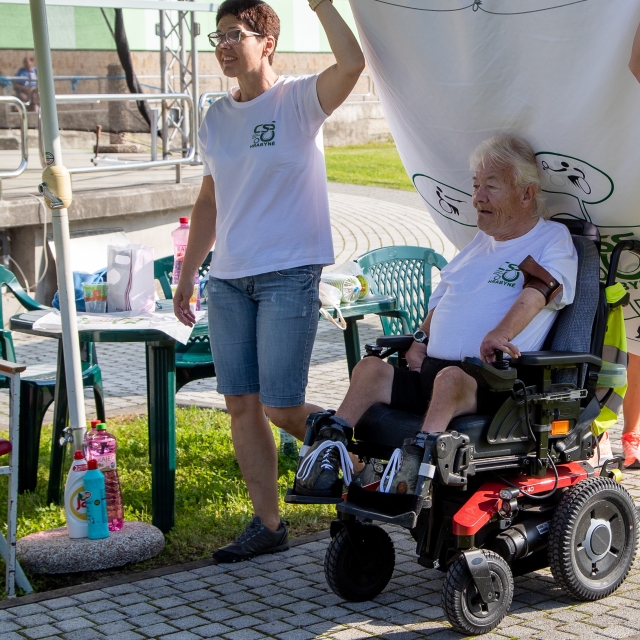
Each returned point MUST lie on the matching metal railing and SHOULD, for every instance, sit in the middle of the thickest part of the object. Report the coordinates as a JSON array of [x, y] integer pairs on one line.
[[24, 139], [74, 81], [188, 156], [207, 99]]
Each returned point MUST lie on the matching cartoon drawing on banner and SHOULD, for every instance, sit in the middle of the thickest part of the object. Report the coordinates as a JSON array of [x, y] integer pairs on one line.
[[494, 7], [568, 176], [449, 202]]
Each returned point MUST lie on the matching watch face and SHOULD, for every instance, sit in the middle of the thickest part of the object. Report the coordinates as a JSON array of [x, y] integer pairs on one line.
[[419, 336]]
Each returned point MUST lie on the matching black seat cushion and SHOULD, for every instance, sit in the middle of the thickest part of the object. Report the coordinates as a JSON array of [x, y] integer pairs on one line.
[[383, 429]]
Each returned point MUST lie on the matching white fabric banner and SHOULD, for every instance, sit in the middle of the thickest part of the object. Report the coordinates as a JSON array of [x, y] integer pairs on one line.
[[451, 73]]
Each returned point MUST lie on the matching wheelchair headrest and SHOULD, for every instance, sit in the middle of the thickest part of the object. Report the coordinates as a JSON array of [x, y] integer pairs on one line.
[[582, 228]]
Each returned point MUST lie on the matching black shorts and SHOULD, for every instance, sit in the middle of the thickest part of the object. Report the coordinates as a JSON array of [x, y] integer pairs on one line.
[[411, 390]]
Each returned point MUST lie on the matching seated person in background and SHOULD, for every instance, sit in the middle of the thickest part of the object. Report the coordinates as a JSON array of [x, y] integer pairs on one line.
[[502, 291], [27, 89]]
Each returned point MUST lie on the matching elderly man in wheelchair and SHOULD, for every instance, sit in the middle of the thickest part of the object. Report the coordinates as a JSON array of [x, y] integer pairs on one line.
[[486, 423]]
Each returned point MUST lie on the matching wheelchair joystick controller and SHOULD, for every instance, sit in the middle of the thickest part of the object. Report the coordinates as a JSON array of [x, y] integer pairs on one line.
[[500, 362]]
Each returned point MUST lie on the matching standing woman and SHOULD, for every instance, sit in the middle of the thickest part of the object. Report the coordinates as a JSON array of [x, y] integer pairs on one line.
[[264, 203]]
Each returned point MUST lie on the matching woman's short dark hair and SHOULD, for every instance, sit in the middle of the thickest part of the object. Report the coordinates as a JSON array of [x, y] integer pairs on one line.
[[257, 15]]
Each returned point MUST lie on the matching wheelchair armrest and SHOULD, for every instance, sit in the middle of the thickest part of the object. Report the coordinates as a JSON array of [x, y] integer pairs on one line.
[[401, 343], [487, 375], [560, 358]]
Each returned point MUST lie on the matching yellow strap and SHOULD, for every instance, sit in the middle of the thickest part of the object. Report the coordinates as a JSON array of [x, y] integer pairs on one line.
[[615, 293]]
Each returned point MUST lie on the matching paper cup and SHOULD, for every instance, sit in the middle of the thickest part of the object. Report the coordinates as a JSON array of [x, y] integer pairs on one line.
[[95, 297]]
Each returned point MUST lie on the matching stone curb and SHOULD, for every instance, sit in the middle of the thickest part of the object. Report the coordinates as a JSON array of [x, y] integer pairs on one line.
[[131, 576]]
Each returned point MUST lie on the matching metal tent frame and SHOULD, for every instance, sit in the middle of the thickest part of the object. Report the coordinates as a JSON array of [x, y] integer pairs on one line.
[[56, 183]]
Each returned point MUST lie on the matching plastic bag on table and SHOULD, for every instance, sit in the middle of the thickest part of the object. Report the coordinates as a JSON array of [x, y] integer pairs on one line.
[[330, 298]]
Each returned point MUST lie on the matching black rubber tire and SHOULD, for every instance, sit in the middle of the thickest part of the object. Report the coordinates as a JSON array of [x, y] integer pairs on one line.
[[462, 604], [359, 574], [601, 499]]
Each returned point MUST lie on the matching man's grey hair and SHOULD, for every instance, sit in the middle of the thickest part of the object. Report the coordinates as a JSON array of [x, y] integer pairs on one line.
[[514, 152]]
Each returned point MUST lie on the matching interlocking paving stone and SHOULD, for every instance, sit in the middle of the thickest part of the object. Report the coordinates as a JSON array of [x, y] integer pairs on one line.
[[37, 619], [73, 624], [108, 616], [156, 630], [181, 635], [211, 630], [6, 626], [42, 631], [138, 609], [166, 603], [67, 613]]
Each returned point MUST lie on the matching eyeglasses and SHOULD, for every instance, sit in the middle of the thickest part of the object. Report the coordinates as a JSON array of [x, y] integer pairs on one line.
[[232, 36]]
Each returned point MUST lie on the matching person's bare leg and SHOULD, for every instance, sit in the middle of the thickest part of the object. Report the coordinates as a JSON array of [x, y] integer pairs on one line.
[[292, 419], [371, 382], [257, 456], [631, 404], [454, 394]]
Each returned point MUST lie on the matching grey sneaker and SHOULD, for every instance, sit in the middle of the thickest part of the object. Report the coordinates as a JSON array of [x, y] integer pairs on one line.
[[255, 540], [318, 471], [401, 474]]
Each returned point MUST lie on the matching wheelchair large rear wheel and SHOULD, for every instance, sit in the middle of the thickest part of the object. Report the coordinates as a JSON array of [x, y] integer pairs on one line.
[[462, 603], [359, 562], [593, 538]]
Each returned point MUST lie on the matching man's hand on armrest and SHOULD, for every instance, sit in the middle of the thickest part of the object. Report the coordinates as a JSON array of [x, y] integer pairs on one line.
[[416, 355], [529, 303], [418, 352]]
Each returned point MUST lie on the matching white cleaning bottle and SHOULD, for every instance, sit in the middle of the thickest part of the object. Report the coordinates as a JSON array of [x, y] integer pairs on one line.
[[74, 501]]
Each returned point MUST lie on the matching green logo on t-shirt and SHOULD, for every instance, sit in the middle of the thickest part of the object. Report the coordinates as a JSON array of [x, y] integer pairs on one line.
[[506, 275], [263, 135]]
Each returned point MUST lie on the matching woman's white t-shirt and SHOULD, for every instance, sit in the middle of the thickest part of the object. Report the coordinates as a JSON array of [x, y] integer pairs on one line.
[[266, 157], [482, 282]]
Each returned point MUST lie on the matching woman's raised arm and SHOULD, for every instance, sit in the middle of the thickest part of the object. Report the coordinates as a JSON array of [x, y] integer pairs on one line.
[[336, 82]]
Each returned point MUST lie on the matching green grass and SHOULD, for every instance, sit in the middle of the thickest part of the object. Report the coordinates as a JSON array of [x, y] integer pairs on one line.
[[374, 165], [212, 504]]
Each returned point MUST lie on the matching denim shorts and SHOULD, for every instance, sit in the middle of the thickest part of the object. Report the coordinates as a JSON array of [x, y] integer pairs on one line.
[[262, 330]]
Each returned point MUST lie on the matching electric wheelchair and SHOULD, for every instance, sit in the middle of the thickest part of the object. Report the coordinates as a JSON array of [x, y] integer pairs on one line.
[[510, 493]]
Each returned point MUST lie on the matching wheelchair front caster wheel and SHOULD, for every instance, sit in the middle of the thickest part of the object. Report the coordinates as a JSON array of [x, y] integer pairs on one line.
[[593, 538], [359, 562], [462, 603]]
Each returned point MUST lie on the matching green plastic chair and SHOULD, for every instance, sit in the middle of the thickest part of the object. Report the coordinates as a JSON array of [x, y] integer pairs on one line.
[[37, 392], [405, 273], [193, 360]]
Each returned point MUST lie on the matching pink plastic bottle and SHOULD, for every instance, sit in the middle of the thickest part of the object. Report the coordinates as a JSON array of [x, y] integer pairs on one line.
[[89, 435], [102, 449], [180, 237]]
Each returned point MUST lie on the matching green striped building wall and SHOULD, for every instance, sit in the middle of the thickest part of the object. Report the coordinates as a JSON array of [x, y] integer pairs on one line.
[[85, 28]]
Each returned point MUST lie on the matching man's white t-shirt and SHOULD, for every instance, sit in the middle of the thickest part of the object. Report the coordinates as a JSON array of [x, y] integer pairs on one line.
[[266, 157], [482, 282]]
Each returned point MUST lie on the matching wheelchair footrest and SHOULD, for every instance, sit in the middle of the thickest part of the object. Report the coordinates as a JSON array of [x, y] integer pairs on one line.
[[386, 507], [294, 498], [407, 520]]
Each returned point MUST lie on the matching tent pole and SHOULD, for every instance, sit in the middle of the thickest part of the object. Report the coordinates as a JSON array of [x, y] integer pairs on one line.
[[60, 222]]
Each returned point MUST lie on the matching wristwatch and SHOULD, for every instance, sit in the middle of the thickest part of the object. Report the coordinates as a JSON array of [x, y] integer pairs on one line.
[[421, 337]]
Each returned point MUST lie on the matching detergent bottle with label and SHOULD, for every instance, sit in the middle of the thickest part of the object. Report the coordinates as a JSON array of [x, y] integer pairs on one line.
[[96, 501], [74, 500]]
